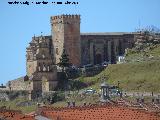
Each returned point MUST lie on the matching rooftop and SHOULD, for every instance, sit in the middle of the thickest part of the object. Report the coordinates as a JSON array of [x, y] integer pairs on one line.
[[107, 33], [104, 112]]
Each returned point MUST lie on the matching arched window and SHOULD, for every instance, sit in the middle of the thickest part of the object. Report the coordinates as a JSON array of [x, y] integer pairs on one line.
[[39, 67], [43, 67]]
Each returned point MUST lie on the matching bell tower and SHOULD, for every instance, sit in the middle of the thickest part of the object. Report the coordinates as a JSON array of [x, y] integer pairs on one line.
[[66, 35]]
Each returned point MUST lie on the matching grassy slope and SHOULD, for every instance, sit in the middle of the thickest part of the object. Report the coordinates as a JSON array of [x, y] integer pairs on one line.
[[12, 105], [134, 76], [139, 76]]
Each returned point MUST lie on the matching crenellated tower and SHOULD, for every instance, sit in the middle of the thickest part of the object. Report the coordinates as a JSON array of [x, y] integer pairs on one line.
[[66, 35]]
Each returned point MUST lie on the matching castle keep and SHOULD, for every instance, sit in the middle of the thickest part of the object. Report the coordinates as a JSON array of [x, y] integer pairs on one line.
[[66, 34], [43, 52]]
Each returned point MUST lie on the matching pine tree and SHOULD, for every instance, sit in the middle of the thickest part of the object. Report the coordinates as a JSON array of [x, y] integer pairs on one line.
[[64, 63]]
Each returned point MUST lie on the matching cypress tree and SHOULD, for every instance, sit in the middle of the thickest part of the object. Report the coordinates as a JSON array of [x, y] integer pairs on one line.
[[64, 60]]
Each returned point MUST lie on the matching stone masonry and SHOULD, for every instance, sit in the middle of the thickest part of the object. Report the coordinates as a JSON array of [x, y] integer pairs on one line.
[[66, 34], [41, 71]]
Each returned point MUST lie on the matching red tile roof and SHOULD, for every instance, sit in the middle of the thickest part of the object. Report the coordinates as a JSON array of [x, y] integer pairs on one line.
[[108, 112], [14, 115]]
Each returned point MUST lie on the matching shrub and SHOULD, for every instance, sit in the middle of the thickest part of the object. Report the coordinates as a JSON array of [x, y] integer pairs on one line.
[[14, 94]]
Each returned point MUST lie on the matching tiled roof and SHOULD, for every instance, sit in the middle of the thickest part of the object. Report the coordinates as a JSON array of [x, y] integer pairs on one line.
[[98, 113], [14, 115]]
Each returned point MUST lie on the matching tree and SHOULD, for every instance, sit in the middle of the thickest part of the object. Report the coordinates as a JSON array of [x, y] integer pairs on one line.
[[64, 60], [64, 63]]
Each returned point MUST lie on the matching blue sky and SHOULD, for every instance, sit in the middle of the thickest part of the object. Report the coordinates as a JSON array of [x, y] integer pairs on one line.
[[18, 23]]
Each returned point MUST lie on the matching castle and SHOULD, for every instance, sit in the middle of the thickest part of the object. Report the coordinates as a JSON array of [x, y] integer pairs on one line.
[[43, 52]]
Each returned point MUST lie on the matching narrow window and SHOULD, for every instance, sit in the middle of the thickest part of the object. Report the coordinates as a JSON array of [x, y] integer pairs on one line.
[[57, 51]]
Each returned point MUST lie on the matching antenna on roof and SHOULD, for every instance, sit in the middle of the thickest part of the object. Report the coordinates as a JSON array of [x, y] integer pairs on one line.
[[139, 24], [34, 37], [138, 29]]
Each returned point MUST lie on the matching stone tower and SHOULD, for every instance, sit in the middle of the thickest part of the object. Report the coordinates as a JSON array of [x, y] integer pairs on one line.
[[41, 71], [66, 35]]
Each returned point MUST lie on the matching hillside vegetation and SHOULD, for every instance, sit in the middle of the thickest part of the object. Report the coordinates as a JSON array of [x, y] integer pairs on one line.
[[149, 53], [138, 76], [12, 105]]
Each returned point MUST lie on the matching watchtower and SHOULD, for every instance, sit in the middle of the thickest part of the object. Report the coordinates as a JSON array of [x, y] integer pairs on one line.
[[66, 35]]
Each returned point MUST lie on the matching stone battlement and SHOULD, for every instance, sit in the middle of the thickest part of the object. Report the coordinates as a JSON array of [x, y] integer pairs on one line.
[[65, 16]]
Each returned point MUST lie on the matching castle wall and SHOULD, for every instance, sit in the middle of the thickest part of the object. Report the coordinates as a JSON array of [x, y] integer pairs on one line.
[[18, 84], [97, 48]]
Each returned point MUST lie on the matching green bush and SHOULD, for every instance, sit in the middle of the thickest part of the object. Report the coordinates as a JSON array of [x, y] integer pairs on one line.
[[15, 94], [53, 97]]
